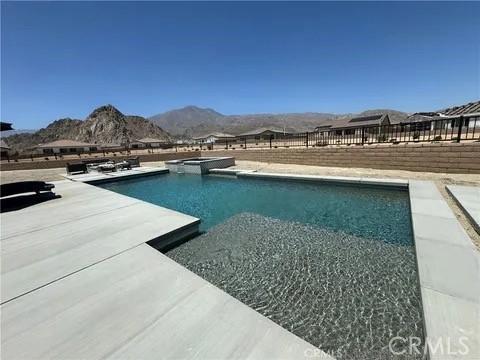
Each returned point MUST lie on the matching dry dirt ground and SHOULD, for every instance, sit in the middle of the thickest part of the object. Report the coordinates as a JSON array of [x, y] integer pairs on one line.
[[439, 178]]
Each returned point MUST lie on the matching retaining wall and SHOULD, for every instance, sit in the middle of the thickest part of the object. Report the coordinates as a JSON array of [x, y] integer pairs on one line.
[[50, 164], [439, 158]]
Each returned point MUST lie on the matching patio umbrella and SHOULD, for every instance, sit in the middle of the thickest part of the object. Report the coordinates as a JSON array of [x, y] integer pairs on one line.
[[5, 126]]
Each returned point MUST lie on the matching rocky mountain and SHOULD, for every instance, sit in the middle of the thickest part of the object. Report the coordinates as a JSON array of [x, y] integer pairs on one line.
[[104, 125], [194, 121], [180, 121], [108, 125]]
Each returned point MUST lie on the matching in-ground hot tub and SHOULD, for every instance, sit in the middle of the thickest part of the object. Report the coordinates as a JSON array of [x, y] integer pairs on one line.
[[199, 165]]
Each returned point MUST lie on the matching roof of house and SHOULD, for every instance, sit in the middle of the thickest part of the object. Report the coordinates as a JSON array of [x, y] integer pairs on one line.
[[150, 140], [3, 145], [64, 143], [216, 134], [370, 120], [470, 108], [263, 130], [111, 145]]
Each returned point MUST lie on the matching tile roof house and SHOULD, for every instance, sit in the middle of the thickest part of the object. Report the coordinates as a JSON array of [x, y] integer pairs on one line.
[[470, 109], [66, 147], [450, 118], [147, 143], [214, 137], [346, 126], [264, 133]]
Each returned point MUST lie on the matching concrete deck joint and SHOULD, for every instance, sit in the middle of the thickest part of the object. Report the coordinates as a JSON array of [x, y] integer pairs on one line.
[[449, 272]]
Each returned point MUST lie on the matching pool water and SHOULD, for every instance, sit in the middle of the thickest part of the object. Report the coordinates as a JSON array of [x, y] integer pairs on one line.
[[344, 294], [333, 264], [376, 213]]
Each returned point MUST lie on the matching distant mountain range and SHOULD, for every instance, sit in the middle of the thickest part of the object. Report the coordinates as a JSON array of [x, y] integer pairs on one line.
[[104, 125], [193, 121], [108, 125], [20, 131]]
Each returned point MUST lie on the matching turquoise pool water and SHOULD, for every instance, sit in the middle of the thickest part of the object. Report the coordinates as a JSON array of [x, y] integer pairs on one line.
[[333, 264], [377, 213]]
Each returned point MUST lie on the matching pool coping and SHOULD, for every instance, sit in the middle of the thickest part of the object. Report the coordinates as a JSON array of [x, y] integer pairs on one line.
[[399, 183], [195, 161], [449, 274], [100, 178], [53, 316], [468, 199], [448, 264]]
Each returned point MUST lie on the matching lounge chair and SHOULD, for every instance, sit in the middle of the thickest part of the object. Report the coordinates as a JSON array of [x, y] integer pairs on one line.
[[123, 165], [21, 187], [96, 161], [78, 168], [106, 167], [134, 162]]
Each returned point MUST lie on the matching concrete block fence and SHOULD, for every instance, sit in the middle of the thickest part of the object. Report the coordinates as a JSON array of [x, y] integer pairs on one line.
[[440, 158], [50, 164]]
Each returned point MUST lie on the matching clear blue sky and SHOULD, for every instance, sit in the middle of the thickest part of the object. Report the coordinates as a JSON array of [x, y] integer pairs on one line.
[[63, 59]]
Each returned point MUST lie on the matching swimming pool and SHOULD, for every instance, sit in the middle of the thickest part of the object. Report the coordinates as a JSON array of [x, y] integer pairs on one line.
[[333, 264], [378, 213]]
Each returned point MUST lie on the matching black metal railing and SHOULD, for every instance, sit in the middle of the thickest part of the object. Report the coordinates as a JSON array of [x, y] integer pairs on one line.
[[453, 130]]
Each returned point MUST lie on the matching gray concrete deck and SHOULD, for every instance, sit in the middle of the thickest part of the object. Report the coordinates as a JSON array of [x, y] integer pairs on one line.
[[51, 240], [140, 305], [331, 179], [79, 282], [96, 177], [468, 198], [449, 274]]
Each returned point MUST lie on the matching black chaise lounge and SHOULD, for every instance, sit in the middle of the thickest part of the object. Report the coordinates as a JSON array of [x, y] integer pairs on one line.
[[79, 168], [134, 162], [22, 187]]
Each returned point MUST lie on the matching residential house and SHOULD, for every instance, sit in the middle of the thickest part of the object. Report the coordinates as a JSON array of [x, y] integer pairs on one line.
[[66, 147], [147, 143], [214, 138], [354, 126], [466, 116], [263, 134]]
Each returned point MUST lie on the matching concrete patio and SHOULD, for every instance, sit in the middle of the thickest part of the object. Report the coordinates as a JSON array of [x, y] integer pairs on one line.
[[81, 259], [78, 281]]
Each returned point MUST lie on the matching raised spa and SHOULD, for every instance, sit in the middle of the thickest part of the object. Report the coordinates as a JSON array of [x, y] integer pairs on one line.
[[199, 165]]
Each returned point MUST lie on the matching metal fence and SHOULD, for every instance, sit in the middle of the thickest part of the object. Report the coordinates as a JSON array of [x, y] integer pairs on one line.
[[453, 130]]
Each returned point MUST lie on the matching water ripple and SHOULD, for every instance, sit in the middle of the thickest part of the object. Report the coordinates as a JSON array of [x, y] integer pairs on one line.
[[347, 295]]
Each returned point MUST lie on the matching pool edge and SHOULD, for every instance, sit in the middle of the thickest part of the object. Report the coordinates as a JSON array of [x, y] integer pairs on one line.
[[448, 272], [397, 183]]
